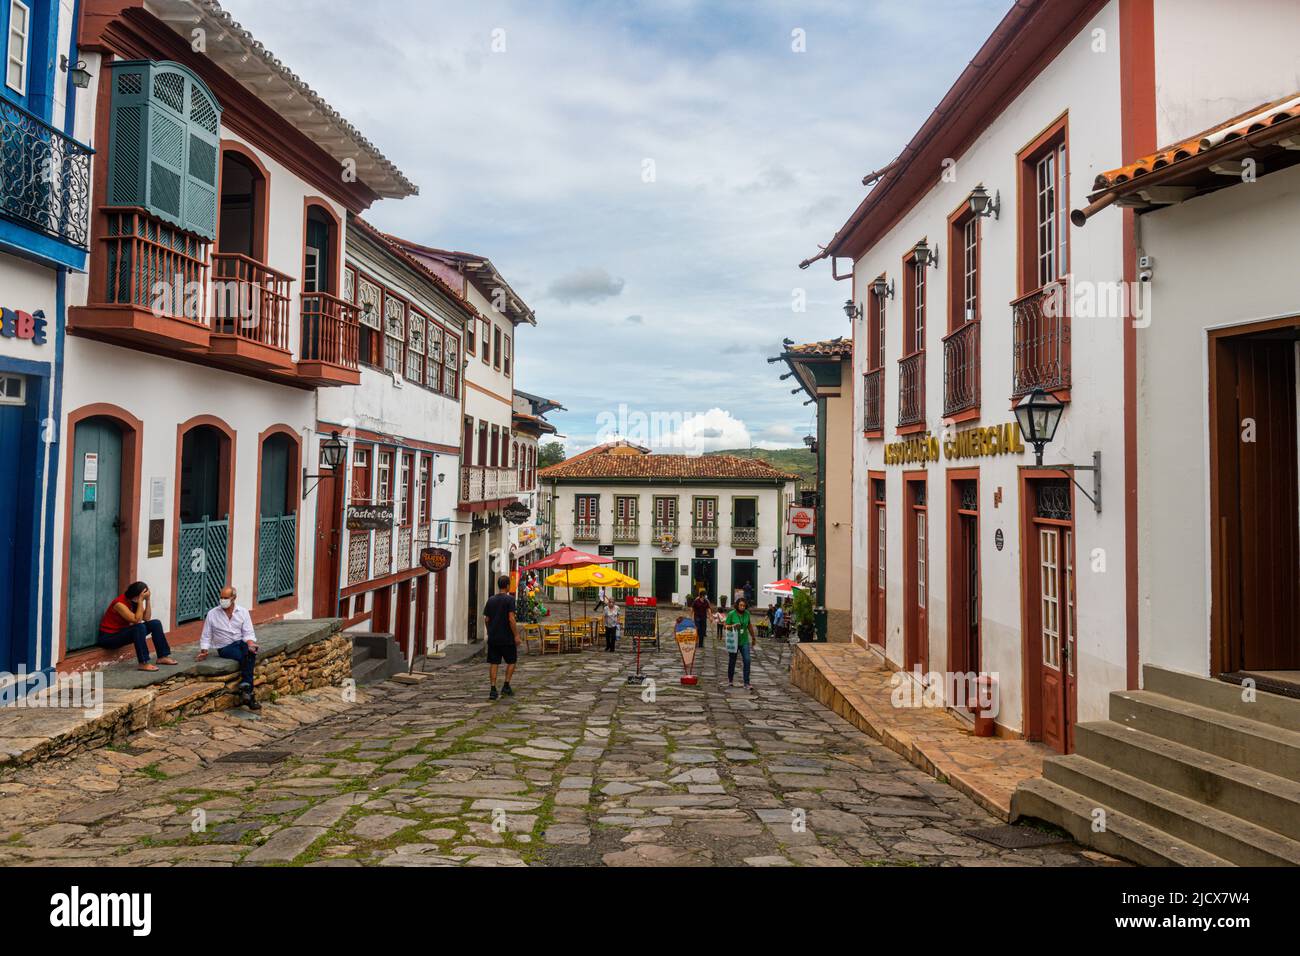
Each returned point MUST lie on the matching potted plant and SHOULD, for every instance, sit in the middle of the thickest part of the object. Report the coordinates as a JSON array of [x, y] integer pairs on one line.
[[802, 611]]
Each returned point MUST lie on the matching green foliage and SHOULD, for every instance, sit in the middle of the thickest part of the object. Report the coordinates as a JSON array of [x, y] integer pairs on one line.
[[802, 607], [552, 453], [796, 461]]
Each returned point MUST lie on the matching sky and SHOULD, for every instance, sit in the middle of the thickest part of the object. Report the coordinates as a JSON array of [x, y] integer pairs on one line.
[[647, 175]]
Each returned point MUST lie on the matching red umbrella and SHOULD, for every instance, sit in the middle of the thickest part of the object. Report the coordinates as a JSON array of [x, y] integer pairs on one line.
[[567, 559]]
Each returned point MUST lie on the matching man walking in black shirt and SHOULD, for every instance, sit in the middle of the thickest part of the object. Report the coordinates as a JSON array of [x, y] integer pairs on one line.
[[502, 635]]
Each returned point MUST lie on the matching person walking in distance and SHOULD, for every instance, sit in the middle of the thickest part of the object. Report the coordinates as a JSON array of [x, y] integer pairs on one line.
[[700, 610], [611, 624], [502, 636]]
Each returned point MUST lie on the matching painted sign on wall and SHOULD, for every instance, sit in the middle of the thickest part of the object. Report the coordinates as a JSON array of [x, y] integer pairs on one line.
[[17, 324]]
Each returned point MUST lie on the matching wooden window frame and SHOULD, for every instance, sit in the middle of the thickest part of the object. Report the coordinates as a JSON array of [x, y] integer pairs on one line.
[[1054, 139], [497, 336], [366, 469], [424, 488], [913, 277], [876, 319], [959, 222], [383, 486], [485, 336], [405, 475]]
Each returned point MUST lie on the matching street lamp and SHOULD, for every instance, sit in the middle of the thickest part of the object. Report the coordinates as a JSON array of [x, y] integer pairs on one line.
[[982, 205], [924, 255], [1038, 414], [882, 288], [333, 451], [80, 75], [852, 310]]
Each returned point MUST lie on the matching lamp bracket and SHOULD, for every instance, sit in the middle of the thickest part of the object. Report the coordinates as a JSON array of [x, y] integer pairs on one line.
[[1095, 468], [305, 490]]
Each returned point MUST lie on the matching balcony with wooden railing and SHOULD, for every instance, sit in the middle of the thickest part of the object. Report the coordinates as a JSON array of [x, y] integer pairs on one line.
[[586, 531], [704, 535], [961, 369], [148, 285], [481, 484], [744, 537], [1040, 341], [250, 313], [626, 532], [665, 534], [327, 351], [911, 390], [873, 401]]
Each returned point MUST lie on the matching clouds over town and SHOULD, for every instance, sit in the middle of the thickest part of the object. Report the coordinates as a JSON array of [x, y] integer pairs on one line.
[[646, 175]]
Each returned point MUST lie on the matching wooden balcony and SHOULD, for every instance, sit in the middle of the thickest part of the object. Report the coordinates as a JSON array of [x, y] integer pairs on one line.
[[250, 313], [586, 531], [327, 351], [704, 535], [873, 401], [148, 285], [1040, 341], [627, 532], [911, 390], [480, 484], [961, 369]]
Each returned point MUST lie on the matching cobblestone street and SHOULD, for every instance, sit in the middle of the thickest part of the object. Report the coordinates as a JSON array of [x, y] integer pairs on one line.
[[579, 768]]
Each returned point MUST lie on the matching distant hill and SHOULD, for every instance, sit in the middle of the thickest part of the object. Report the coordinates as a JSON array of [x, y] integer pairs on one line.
[[798, 461]]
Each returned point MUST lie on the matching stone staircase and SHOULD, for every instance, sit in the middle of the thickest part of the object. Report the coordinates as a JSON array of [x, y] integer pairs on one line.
[[1187, 774], [375, 657]]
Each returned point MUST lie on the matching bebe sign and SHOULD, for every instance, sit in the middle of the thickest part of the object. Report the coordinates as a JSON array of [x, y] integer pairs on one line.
[[17, 324]]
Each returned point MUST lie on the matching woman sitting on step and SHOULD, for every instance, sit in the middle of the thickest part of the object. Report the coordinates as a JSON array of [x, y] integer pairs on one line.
[[129, 620]]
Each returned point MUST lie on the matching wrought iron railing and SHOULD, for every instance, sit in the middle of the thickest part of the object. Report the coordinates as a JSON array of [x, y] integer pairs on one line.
[[873, 400], [744, 537], [250, 300], [44, 177], [329, 330], [911, 389], [961, 369], [1041, 341]]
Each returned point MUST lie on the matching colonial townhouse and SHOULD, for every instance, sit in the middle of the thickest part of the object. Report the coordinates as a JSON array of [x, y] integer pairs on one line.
[[211, 316], [489, 489], [387, 519], [530, 426], [44, 237], [676, 523], [824, 371], [974, 299]]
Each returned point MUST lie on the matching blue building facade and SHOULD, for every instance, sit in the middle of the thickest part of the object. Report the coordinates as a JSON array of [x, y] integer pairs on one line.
[[44, 236]]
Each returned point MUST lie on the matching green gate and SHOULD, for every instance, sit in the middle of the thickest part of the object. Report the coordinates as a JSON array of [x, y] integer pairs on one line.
[[276, 556], [200, 568]]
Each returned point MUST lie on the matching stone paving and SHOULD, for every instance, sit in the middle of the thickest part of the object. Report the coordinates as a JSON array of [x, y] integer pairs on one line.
[[579, 768]]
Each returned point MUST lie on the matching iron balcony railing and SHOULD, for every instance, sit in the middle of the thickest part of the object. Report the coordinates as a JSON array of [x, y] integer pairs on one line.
[[44, 177], [744, 537], [911, 389], [1041, 340], [873, 400], [961, 369]]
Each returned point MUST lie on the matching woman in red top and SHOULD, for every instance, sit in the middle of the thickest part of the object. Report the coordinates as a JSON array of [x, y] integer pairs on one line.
[[129, 620]]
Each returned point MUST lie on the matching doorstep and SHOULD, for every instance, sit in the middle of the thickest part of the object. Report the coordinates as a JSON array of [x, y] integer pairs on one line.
[[856, 684], [292, 656]]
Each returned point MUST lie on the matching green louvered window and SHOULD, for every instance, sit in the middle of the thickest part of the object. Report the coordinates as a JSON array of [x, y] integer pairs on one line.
[[164, 144]]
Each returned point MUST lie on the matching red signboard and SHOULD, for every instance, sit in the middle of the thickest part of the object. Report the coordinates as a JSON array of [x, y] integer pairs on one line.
[[803, 521], [637, 600]]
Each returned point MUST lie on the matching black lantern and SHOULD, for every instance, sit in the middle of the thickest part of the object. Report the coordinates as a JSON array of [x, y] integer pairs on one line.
[[924, 255], [333, 452], [881, 288], [984, 205], [80, 75], [851, 310], [1038, 414]]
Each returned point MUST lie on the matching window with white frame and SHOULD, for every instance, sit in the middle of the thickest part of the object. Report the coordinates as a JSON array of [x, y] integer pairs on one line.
[[415, 339], [20, 29], [384, 493], [1050, 212], [13, 390], [970, 235], [433, 357], [394, 333]]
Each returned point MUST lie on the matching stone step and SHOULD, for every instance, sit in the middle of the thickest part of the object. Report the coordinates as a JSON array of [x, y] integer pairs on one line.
[[1272, 709], [1123, 836], [1219, 732], [1222, 834], [1262, 798], [369, 671]]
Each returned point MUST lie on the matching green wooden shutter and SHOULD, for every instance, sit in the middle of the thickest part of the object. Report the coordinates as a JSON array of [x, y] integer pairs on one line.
[[164, 144]]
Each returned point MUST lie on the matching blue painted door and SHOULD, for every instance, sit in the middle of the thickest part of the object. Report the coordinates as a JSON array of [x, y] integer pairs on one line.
[[13, 590], [94, 568]]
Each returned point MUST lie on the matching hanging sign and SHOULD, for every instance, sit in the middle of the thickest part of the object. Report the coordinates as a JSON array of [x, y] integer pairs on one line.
[[17, 324], [802, 521], [368, 517], [516, 513], [435, 559]]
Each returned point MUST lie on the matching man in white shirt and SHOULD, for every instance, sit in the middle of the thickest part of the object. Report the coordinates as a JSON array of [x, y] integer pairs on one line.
[[229, 630]]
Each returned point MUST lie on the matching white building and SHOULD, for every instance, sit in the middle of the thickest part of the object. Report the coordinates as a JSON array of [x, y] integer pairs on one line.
[[489, 465], [208, 320], [530, 428], [44, 238], [674, 522], [402, 427]]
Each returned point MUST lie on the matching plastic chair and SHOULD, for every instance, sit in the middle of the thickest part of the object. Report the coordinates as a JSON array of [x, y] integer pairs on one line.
[[532, 634]]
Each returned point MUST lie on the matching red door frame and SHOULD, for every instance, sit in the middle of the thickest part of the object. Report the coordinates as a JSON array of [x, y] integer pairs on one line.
[[876, 520], [958, 573], [916, 643]]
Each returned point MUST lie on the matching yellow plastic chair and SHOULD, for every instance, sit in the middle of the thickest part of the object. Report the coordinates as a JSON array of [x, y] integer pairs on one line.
[[532, 636]]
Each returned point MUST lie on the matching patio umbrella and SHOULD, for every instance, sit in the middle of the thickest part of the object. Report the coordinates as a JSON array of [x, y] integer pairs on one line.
[[592, 577], [783, 588], [569, 559]]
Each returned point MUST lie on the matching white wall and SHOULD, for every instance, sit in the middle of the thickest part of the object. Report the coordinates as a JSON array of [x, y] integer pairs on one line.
[[1086, 84]]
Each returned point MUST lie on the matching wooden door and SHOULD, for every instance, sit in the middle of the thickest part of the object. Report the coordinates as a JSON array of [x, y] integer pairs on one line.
[[18, 581], [94, 561], [876, 628], [472, 590], [915, 576], [1056, 624], [325, 569]]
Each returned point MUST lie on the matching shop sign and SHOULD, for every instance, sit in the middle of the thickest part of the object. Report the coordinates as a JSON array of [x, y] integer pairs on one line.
[[605, 550], [516, 513], [979, 442], [369, 517], [17, 324], [435, 559], [802, 521]]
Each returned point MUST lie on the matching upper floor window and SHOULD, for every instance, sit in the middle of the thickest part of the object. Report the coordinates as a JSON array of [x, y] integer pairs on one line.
[[361, 474], [320, 250], [505, 360], [20, 29], [496, 348], [876, 332], [368, 299], [451, 365], [394, 333], [469, 338], [485, 340], [384, 491], [1044, 209], [243, 210], [163, 149], [423, 488], [416, 326], [913, 306], [970, 271]]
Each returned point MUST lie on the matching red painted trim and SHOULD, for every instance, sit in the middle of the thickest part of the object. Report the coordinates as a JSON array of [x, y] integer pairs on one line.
[[387, 581], [189, 631], [129, 552], [363, 434], [910, 429], [966, 415], [1138, 138]]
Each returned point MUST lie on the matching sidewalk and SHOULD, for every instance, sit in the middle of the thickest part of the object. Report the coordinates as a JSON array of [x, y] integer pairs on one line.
[[294, 656], [855, 683]]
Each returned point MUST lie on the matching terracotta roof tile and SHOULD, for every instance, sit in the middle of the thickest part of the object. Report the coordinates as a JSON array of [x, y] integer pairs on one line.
[[599, 463], [831, 348]]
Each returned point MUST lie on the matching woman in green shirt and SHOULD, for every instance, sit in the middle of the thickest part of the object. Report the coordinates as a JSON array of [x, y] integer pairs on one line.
[[738, 617]]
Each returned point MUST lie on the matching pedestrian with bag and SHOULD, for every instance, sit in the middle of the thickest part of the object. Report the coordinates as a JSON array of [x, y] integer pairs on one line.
[[739, 633]]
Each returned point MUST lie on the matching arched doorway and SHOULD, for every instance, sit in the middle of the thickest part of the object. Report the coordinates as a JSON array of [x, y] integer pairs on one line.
[[97, 526], [203, 521], [277, 530]]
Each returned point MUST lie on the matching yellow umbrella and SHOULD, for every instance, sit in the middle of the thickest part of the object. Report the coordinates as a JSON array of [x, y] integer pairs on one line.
[[591, 576]]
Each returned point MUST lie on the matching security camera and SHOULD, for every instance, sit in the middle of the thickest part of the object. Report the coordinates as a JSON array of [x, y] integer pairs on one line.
[[1144, 275], [1146, 266]]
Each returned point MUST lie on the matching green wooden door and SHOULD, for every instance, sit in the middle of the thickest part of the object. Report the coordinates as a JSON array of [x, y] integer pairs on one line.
[[94, 561]]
